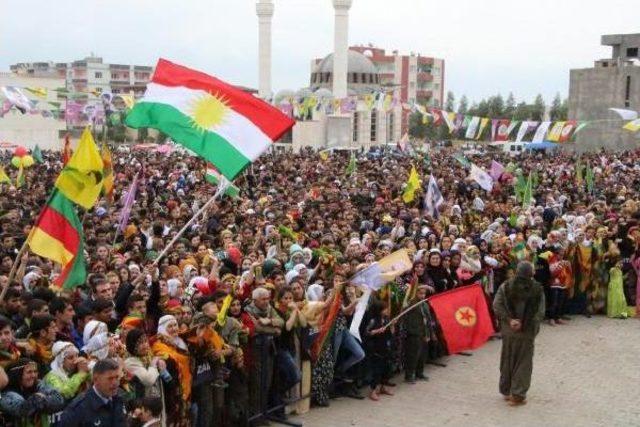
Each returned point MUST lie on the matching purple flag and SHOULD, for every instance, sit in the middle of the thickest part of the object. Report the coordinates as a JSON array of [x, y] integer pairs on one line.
[[129, 199], [496, 170]]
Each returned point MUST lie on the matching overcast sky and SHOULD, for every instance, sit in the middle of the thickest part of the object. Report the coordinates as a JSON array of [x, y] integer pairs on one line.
[[489, 46]]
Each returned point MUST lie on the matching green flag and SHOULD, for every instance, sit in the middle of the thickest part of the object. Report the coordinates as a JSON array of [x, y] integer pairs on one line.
[[527, 196], [351, 167], [37, 154], [520, 187], [462, 160], [589, 178], [534, 179], [513, 219]]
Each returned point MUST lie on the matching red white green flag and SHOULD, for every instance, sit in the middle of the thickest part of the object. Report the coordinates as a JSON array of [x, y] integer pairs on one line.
[[227, 126]]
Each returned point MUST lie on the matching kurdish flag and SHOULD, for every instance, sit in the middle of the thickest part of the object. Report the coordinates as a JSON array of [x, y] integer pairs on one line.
[[57, 235], [227, 126], [214, 177]]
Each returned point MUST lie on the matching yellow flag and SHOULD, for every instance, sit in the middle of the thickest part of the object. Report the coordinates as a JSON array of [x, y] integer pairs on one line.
[[413, 183], [128, 100], [368, 101], [483, 124], [395, 264], [556, 131], [222, 314], [20, 177], [38, 91], [633, 125], [4, 178], [81, 180], [324, 155]]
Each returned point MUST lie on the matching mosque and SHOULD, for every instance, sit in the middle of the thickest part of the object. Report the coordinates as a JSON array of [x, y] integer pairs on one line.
[[351, 107]]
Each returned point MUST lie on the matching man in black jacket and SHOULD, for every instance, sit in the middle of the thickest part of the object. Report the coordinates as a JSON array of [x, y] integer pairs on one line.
[[100, 405]]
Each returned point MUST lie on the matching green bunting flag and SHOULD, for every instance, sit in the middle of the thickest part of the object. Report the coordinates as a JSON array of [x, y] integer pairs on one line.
[[37, 154], [351, 167]]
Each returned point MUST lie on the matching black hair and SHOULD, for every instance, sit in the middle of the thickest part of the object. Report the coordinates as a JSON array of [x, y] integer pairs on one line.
[[43, 293], [35, 304], [152, 404], [58, 305], [5, 321], [105, 365], [134, 298], [101, 304]]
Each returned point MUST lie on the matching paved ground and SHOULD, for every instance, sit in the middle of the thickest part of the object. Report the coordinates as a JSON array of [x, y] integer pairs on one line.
[[585, 374]]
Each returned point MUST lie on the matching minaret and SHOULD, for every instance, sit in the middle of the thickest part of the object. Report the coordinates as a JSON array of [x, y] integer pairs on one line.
[[341, 47], [264, 9]]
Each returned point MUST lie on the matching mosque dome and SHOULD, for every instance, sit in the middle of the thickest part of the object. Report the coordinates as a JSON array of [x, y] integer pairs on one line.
[[304, 93], [323, 93], [356, 63], [283, 96], [362, 74]]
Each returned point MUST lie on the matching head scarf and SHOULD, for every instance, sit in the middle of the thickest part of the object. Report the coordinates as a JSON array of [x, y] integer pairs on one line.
[[292, 274], [162, 330], [96, 339], [315, 292], [60, 350], [172, 287]]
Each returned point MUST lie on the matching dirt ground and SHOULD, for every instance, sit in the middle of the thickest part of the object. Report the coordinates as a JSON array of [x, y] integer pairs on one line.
[[586, 373]]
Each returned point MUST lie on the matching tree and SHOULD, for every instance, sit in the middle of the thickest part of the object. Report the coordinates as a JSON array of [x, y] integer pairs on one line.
[[563, 113], [521, 112], [417, 129], [510, 106], [449, 104], [556, 106], [495, 107], [463, 106], [483, 108], [538, 108]]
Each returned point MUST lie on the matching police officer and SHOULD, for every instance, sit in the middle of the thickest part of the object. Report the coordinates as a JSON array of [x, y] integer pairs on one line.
[[100, 405]]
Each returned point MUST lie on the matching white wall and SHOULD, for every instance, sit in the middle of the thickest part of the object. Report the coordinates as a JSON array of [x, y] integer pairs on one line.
[[31, 129]]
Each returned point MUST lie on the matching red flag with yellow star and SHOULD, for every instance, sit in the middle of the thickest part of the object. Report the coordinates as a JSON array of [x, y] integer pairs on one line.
[[464, 317]]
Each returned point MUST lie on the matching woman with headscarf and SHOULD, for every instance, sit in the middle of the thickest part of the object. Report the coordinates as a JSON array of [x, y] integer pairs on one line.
[[27, 401], [144, 371], [96, 341], [442, 280], [173, 350], [69, 373]]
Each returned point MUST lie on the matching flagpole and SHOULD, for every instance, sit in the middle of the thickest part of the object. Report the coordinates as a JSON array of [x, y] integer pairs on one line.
[[395, 319], [16, 263], [221, 189]]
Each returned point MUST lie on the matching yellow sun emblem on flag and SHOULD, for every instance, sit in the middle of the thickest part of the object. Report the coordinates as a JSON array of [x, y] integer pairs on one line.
[[208, 111], [466, 316]]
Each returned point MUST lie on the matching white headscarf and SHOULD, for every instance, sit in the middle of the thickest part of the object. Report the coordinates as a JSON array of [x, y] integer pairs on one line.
[[96, 339], [162, 330], [26, 280], [172, 287], [315, 292], [60, 350], [292, 274]]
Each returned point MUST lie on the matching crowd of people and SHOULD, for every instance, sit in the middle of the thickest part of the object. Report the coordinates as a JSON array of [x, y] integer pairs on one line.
[[144, 342]]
